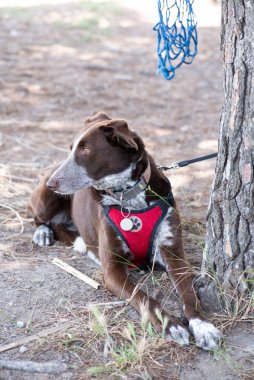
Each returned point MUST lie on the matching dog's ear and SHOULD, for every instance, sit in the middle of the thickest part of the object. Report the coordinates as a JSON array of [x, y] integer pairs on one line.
[[117, 133], [99, 116]]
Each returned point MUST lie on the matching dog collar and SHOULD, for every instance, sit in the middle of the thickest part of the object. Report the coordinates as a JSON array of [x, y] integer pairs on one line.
[[135, 190]]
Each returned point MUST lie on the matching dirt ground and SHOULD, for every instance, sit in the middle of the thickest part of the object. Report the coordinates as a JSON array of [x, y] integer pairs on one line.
[[62, 61]]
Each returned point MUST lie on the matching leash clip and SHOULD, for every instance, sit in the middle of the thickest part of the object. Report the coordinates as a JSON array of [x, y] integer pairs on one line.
[[174, 165]]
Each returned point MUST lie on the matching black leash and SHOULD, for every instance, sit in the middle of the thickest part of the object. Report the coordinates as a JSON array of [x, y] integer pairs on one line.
[[181, 164]]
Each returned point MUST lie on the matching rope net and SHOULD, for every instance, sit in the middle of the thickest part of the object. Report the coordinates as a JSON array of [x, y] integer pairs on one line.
[[177, 35]]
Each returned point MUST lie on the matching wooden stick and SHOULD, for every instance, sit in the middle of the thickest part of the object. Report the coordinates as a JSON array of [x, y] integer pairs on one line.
[[29, 366], [61, 264], [41, 334]]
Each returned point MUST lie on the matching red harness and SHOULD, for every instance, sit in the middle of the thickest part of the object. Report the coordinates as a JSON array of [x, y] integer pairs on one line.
[[145, 224]]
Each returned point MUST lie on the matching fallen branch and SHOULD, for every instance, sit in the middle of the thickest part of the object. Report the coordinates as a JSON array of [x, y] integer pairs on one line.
[[61, 264], [31, 338], [33, 366]]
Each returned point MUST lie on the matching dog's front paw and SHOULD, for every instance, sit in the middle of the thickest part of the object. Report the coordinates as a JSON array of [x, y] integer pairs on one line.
[[43, 236], [79, 245], [178, 334], [207, 336]]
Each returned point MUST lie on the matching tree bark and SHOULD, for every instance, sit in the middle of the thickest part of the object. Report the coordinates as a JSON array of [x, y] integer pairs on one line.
[[229, 250]]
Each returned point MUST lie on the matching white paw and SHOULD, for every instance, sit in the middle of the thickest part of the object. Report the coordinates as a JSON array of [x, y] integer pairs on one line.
[[178, 334], [43, 235], [79, 245], [207, 336], [92, 256]]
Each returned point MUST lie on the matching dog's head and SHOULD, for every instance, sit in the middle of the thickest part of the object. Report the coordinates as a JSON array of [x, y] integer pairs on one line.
[[103, 155]]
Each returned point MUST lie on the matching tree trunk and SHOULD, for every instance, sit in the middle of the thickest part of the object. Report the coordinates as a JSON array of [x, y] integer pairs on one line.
[[229, 251]]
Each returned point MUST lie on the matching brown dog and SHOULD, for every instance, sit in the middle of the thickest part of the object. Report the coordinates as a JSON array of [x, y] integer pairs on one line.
[[121, 207]]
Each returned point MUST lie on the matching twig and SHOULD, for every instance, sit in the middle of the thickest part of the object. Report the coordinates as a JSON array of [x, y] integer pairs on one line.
[[98, 67], [17, 215], [11, 177], [24, 143], [57, 148], [33, 366], [32, 313], [61, 264], [31, 338], [107, 304]]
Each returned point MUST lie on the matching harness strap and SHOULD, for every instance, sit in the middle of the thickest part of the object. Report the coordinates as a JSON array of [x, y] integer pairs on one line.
[[140, 240]]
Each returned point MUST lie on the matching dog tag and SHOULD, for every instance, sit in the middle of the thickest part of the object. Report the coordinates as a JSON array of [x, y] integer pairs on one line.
[[126, 224]]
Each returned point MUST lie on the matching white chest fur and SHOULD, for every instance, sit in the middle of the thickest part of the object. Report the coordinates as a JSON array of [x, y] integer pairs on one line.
[[164, 237]]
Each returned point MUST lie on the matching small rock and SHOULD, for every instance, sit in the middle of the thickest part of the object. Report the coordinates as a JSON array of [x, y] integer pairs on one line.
[[66, 375], [185, 128], [13, 33], [23, 349], [21, 324], [61, 302]]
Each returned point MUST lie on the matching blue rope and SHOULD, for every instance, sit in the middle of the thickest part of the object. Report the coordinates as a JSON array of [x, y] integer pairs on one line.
[[177, 35]]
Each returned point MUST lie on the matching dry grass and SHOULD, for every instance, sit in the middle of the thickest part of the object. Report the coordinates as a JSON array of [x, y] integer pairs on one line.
[[15, 190], [102, 343]]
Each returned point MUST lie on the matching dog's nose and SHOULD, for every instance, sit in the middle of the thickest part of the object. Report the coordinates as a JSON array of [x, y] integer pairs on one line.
[[53, 184]]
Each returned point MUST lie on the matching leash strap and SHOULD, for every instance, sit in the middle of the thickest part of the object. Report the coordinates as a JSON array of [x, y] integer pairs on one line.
[[180, 164]]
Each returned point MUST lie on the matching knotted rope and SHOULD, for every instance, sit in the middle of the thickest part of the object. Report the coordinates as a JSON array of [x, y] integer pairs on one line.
[[177, 35]]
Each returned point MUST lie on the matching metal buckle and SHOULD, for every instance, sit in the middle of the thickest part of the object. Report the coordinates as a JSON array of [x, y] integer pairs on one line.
[[174, 165]]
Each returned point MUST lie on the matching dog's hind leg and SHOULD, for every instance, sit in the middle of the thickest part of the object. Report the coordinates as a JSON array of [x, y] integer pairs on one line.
[[65, 234], [51, 215]]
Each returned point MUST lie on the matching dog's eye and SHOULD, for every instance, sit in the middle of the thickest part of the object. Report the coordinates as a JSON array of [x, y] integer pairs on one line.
[[84, 149]]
